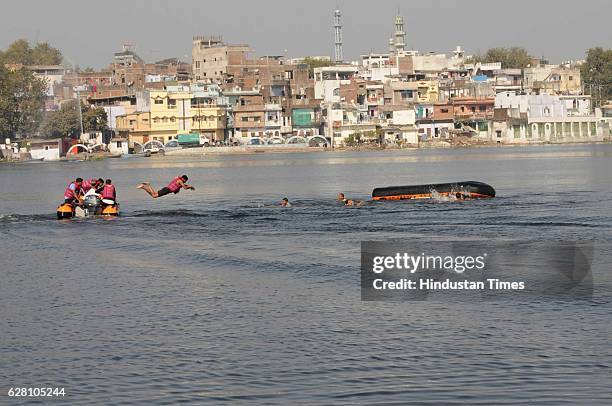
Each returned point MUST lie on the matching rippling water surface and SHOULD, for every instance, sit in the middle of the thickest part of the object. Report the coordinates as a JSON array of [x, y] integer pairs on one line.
[[218, 295]]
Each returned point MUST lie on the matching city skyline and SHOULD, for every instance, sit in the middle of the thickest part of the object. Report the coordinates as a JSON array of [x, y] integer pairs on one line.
[[272, 27]]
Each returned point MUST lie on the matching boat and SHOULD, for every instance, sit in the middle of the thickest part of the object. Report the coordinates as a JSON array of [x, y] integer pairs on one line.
[[92, 205], [458, 190]]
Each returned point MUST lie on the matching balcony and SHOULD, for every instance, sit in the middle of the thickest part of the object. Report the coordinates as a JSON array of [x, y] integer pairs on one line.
[[470, 115]]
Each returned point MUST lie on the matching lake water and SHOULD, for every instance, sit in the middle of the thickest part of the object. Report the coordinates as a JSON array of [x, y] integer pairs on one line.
[[218, 295]]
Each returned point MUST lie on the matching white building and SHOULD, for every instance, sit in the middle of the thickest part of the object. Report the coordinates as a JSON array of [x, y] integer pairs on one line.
[[49, 149], [328, 80], [118, 146]]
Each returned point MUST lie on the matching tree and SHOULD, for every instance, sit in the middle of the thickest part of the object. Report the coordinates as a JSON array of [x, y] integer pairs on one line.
[[514, 57], [20, 52], [94, 119], [45, 54], [65, 121], [22, 97], [596, 74], [315, 63]]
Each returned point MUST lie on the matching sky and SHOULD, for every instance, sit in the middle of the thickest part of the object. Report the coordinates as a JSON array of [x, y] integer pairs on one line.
[[89, 32]]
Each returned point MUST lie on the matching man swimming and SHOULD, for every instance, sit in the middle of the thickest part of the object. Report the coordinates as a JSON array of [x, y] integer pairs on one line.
[[285, 202], [175, 186], [348, 202]]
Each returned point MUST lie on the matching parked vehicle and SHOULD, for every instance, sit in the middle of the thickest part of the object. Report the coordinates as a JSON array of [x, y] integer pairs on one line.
[[193, 140]]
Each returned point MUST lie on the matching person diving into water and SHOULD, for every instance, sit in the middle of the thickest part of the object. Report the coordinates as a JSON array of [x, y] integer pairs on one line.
[[175, 186]]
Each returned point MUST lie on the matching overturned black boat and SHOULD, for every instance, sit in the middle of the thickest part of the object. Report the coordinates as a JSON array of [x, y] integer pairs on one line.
[[456, 190]]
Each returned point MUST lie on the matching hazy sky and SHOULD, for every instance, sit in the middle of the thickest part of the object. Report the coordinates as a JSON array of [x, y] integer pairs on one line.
[[88, 32]]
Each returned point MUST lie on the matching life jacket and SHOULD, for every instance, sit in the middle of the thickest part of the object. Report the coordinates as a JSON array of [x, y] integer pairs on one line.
[[88, 184], [69, 193], [108, 192], [174, 186]]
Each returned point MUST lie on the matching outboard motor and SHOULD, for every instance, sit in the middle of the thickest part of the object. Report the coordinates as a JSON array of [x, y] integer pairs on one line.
[[91, 203]]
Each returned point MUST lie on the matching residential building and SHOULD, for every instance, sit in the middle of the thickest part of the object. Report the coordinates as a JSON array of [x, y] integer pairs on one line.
[[211, 58], [552, 79]]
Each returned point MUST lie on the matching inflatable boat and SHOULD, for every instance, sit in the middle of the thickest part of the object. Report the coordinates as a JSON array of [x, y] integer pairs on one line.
[[457, 190], [92, 205]]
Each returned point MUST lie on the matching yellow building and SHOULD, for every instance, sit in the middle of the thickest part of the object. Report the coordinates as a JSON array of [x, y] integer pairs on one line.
[[208, 119], [170, 113], [180, 110], [427, 91], [136, 127]]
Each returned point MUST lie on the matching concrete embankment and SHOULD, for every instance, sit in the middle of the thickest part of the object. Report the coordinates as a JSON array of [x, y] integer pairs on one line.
[[251, 149]]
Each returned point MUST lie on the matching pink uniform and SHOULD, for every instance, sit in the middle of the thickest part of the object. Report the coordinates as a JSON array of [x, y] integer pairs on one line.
[[109, 192], [175, 186]]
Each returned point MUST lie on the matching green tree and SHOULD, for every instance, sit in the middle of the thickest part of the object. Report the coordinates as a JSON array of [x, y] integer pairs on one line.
[[94, 119], [596, 74], [65, 121], [20, 52], [315, 63], [22, 97], [45, 54], [514, 57]]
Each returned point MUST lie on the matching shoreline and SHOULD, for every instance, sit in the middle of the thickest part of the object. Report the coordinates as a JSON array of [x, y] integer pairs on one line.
[[253, 150]]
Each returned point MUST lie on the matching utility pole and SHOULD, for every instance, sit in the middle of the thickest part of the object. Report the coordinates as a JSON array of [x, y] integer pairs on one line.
[[78, 89]]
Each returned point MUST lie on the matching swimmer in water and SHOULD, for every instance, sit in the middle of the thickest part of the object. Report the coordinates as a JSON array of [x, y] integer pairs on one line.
[[348, 202], [285, 202]]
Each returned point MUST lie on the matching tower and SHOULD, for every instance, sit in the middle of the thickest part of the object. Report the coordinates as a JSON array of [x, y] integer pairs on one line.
[[338, 35], [400, 35]]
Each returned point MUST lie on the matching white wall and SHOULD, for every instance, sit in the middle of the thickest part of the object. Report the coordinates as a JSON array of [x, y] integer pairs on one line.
[[51, 154], [404, 117]]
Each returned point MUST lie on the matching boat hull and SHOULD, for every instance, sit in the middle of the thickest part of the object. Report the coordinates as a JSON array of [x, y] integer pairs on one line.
[[68, 211], [460, 190]]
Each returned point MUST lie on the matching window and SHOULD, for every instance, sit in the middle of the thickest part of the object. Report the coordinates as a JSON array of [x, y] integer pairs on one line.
[[46, 148], [243, 118], [159, 100], [517, 131], [171, 103], [571, 77], [119, 143], [444, 110], [482, 108], [593, 129]]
